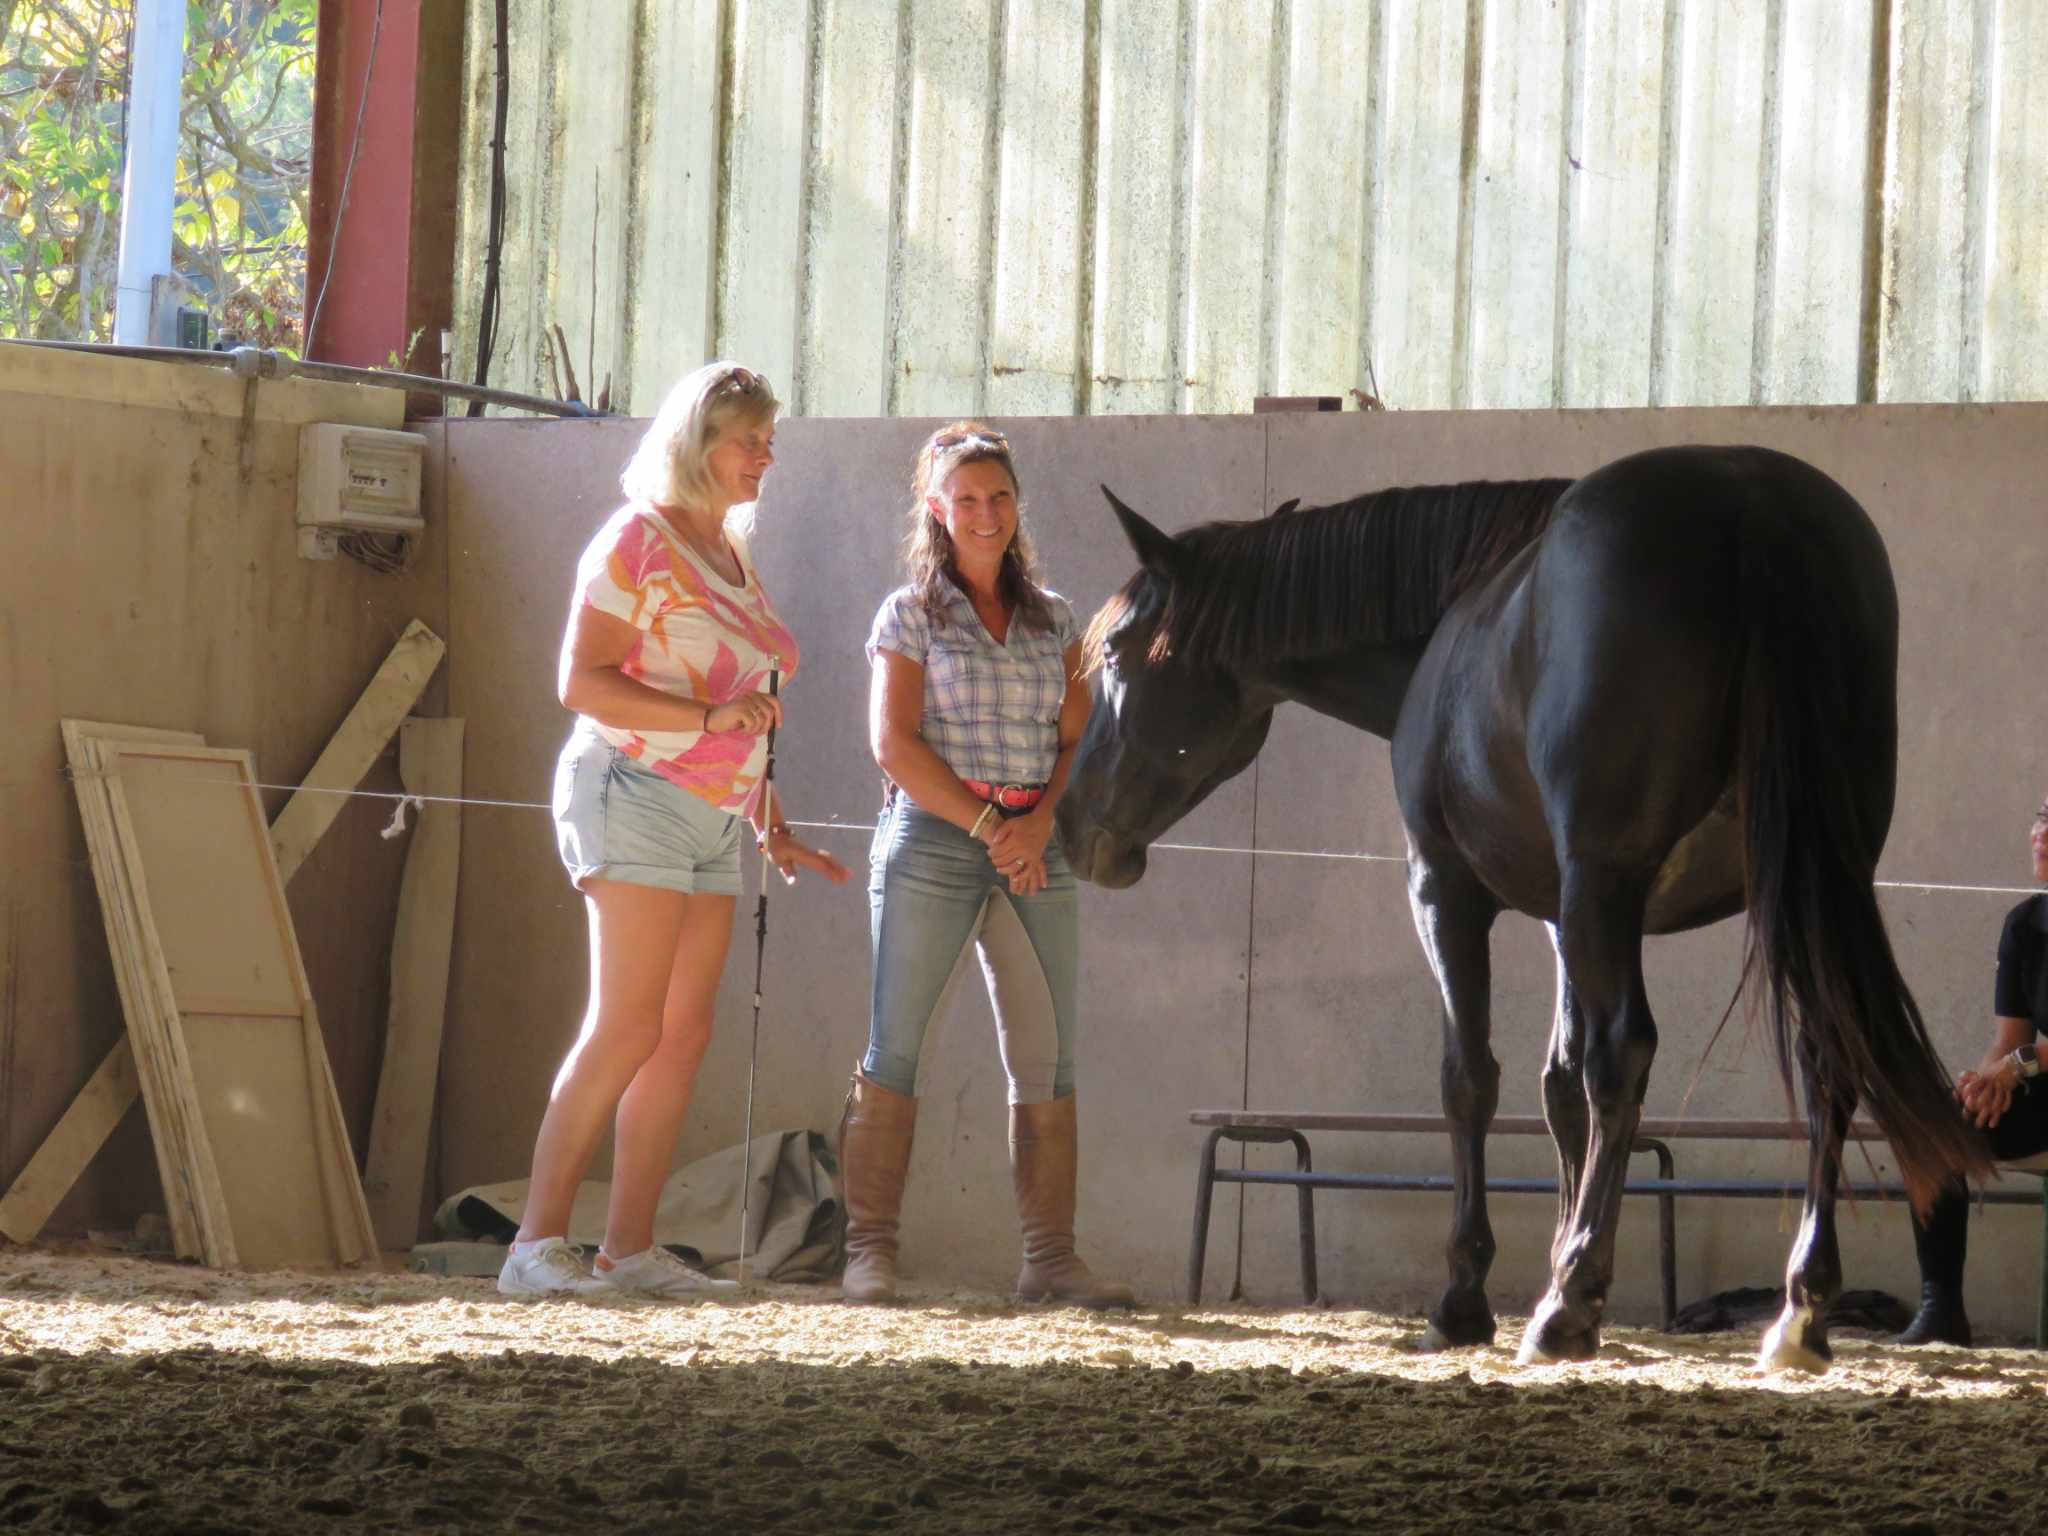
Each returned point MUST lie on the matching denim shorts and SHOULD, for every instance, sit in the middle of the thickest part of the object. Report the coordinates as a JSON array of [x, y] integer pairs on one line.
[[615, 820]]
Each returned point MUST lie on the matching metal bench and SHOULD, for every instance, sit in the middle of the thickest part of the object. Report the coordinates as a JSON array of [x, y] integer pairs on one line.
[[1652, 1134]]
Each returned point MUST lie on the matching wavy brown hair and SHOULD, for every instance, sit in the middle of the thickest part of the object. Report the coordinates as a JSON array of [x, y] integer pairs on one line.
[[928, 553]]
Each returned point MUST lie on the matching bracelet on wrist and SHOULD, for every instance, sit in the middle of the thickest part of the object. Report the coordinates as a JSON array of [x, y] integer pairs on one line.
[[981, 821]]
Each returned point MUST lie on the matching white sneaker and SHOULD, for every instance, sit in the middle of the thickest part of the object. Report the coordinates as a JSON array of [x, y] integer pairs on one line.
[[547, 1267], [655, 1272]]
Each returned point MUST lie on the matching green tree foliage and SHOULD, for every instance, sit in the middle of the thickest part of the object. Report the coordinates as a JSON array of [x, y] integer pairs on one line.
[[244, 152]]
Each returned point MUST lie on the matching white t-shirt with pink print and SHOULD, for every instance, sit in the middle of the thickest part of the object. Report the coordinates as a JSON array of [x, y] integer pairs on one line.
[[700, 637]]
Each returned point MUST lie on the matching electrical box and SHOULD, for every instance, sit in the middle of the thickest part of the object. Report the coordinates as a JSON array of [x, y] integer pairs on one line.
[[356, 480]]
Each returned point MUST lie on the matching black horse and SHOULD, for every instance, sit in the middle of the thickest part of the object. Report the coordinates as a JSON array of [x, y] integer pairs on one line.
[[1633, 703]]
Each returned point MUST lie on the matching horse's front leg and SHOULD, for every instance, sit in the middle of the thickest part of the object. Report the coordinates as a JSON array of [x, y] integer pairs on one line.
[[1798, 1341], [1601, 939], [1454, 916]]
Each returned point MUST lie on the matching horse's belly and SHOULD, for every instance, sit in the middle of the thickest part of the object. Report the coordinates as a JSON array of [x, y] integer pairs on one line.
[[1700, 881]]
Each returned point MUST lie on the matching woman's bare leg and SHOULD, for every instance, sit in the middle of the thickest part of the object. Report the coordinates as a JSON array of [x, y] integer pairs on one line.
[[634, 931], [650, 1114]]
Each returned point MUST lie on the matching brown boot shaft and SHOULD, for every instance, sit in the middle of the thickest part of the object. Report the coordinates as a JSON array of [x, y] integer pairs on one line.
[[1044, 1167], [875, 1134]]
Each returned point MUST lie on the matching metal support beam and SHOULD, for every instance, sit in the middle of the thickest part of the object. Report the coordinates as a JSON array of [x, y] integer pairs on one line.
[[156, 94]]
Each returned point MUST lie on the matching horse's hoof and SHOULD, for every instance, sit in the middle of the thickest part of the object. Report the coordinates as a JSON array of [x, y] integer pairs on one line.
[[1557, 1348], [1791, 1345], [1551, 1338], [1435, 1341], [1449, 1331]]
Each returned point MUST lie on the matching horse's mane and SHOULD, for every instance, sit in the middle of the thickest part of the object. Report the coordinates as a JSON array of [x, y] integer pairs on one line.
[[1310, 581]]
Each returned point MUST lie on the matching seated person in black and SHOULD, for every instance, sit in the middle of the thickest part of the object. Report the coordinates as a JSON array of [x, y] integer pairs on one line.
[[2003, 1095]]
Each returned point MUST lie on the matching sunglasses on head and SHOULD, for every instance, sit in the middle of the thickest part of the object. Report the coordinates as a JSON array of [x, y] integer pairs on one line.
[[742, 381], [955, 439]]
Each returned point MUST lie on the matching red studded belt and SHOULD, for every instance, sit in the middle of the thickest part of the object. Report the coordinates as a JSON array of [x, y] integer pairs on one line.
[[1006, 797]]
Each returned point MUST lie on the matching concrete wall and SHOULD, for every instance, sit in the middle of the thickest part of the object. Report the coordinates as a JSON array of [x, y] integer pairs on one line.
[[1228, 978], [150, 573], [908, 207]]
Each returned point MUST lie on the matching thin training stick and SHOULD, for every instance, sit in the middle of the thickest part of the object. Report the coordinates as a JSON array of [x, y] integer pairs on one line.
[[760, 951]]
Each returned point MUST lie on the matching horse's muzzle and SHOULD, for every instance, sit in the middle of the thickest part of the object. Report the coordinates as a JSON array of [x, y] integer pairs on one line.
[[1103, 859]]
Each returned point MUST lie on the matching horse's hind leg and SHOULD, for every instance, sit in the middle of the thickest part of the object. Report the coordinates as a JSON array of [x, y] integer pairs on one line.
[[1601, 927], [1454, 916], [1564, 1099], [1813, 1275]]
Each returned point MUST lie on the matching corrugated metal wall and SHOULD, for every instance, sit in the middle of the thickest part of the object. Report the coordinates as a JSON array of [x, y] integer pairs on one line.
[[1053, 206]]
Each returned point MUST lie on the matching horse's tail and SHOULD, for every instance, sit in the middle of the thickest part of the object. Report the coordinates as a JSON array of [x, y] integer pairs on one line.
[[1818, 755]]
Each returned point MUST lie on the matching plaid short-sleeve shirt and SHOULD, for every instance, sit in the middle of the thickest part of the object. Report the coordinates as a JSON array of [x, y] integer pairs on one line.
[[991, 711]]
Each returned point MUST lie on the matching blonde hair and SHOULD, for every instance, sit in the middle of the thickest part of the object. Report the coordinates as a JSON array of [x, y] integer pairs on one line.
[[671, 467], [928, 552]]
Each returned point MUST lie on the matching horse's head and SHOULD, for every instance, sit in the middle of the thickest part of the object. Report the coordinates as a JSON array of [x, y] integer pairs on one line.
[[1165, 729]]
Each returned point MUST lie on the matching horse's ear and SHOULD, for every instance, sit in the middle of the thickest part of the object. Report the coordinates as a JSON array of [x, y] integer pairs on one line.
[[1286, 507], [1156, 551]]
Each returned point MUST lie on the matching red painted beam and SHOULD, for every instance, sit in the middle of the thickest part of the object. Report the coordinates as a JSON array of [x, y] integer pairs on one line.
[[361, 251]]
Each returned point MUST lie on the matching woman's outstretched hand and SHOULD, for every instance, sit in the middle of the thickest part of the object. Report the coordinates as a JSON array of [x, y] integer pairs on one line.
[[789, 855]]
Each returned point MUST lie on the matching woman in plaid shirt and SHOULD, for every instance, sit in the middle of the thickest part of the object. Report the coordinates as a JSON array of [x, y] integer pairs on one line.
[[975, 710]]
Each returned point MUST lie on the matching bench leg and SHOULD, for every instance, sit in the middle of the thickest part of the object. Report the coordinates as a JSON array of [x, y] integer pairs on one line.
[[1205, 1187], [2041, 1311], [1311, 1292], [1667, 1226]]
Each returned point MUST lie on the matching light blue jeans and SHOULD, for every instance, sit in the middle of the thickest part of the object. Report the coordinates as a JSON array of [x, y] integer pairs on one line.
[[933, 894]]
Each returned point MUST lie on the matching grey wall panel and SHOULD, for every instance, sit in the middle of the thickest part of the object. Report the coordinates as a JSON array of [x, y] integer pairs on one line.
[[1612, 245], [1236, 70], [1421, 253], [1042, 205], [1933, 208], [671, 260], [761, 225], [1318, 248], [852, 210], [1156, 205], [1139, 241], [2016, 218], [1520, 176], [912, 207], [1814, 249]]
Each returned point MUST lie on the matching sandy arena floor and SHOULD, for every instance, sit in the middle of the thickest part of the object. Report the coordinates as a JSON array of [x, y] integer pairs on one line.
[[148, 1397]]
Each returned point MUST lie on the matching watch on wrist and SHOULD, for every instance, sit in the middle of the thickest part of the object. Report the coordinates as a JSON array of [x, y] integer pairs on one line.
[[2026, 1061]]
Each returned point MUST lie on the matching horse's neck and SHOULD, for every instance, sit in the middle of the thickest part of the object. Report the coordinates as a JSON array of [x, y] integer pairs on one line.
[[1363, 687]]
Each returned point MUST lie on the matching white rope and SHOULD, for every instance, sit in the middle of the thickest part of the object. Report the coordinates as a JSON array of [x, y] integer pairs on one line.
[[1396, 858], [868, 827]]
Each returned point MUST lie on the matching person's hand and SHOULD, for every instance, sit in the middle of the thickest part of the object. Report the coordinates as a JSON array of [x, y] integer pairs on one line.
[[1987, 1094], [748, 715], [1028, 879], [788, 856], [1018, 843]]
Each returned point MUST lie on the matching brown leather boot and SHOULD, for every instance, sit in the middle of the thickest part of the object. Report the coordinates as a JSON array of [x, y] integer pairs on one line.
[[1043, 1166], [874, 1155]]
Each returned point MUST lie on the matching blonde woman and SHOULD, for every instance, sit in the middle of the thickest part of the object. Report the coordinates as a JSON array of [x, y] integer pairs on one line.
[[975, 709], [670, 647]]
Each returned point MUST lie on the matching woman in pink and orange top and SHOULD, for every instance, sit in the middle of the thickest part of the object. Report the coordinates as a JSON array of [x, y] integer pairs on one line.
[[667, 662]]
